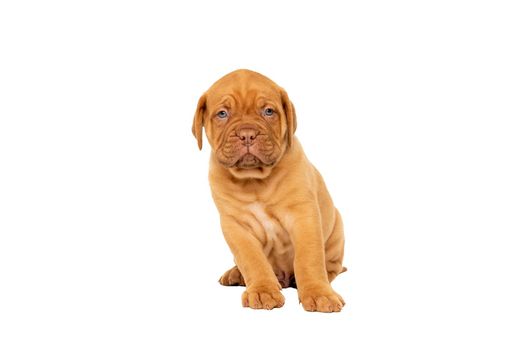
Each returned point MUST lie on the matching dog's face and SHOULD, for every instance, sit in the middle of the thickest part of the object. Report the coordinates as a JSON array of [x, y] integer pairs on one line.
[[249, 121]]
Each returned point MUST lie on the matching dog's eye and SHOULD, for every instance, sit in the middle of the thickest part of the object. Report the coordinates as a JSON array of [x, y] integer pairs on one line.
[[268, 112], [222, 114]]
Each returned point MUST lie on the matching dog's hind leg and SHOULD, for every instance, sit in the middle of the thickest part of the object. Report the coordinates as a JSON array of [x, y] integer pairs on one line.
[[334, 250], [232, 277]]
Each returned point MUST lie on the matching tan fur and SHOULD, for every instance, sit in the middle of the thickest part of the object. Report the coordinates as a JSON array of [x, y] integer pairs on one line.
[[277, 218]]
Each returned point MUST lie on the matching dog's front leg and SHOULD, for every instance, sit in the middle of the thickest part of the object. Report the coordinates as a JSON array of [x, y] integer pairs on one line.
[[262, 286], [315, 291]]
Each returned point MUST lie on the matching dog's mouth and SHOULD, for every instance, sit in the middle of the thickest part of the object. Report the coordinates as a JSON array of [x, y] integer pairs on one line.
[[236, 154], [249, 161]]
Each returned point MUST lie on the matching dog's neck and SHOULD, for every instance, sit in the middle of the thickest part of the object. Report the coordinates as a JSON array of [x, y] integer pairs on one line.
[[257, 173]]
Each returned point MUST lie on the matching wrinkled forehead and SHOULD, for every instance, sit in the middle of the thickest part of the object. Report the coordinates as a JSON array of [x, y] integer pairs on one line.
[[243, 90]]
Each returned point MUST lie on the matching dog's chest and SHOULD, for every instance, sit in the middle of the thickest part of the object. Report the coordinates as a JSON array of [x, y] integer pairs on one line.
[[270, 232]]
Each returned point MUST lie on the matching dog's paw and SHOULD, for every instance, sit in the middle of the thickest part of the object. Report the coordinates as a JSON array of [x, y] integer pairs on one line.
[[232, 277], [262, 298], [322, 299]]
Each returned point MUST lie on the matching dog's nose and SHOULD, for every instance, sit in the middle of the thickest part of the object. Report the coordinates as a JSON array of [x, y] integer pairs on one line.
[[247, 133]]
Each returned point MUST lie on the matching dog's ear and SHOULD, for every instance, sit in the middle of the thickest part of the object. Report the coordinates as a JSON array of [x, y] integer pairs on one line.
[[291, 119], [198, 120]]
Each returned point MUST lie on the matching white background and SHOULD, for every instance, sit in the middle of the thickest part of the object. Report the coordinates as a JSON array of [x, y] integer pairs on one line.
[[412, 110]]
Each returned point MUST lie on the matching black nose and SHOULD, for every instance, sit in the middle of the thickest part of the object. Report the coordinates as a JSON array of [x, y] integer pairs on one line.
[[247, 133]]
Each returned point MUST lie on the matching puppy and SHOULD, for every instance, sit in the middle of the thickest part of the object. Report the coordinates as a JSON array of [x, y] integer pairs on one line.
[[276, 213]]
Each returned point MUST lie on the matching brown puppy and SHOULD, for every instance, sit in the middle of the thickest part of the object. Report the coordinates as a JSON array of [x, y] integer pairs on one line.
[[276, 213]]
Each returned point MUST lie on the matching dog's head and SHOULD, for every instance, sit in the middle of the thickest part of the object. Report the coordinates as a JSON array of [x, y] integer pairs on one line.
[[249, 122]]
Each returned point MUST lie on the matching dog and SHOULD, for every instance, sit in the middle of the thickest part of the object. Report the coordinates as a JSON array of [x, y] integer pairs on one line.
[[275, 211]]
